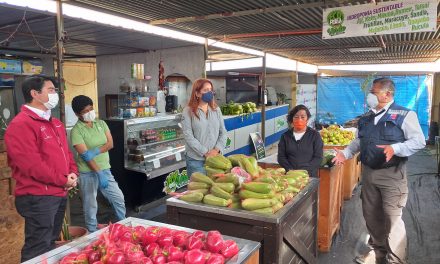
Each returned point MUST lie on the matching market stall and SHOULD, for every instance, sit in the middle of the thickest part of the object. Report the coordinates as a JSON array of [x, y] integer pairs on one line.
[[288, 236], [330, 205], [247, 254], [149, 147], [338, 138], [330, 201], [350, 176]]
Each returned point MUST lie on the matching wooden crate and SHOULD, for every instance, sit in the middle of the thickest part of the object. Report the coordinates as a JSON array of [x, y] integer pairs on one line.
[[5, 193], [3, 160], [330, 205], [358, 171], [12, 234], [2, 145], [350, 177], [12, 183], [289, 236], [5, 173], [11, 223], [350, 174]]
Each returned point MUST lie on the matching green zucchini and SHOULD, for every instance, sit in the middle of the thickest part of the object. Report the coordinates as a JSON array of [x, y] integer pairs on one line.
[[214, 200]]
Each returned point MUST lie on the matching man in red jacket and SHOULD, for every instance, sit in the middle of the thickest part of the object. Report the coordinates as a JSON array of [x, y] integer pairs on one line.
[[42, 165]]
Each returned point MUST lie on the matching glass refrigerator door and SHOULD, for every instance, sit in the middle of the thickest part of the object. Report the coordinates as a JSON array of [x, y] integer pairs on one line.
[[154, 146]]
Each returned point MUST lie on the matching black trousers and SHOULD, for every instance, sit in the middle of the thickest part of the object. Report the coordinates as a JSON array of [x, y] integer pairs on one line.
[[43, 217]]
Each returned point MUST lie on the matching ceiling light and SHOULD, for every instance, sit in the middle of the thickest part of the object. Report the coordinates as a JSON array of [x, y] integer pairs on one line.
[[365, 49], [307, 68], [278, 62], [108, 19], [237, 64], [273, 61], [228, 46], [42, 5], [437, 65]]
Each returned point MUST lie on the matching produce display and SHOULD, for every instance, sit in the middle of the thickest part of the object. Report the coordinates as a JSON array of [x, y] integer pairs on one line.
[[238, 182], [334, 135], [327, 158], [237, 109], [154, 245]]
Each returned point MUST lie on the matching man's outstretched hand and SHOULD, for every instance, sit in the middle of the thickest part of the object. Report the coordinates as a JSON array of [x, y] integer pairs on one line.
[[339, 158]]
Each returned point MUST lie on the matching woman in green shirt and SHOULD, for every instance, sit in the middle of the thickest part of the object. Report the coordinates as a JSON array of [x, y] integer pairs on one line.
[[92, 140]]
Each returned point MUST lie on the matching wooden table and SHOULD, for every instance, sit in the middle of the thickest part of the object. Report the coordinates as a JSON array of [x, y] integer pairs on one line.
[[248, 254], [288, 236]]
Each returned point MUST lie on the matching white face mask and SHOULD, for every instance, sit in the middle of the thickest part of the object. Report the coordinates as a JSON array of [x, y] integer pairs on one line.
[[372, 100], [53, 101], [90, 116]]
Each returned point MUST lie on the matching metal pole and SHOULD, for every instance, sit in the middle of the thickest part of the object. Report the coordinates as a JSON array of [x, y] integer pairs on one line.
[[263, 105], [60, 48], [205, 53]]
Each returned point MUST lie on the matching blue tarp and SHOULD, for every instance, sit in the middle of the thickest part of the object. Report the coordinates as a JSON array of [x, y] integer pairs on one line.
[[341, 99]]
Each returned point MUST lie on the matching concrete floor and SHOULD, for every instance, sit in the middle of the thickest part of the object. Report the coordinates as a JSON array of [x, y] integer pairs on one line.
[[421, 216]]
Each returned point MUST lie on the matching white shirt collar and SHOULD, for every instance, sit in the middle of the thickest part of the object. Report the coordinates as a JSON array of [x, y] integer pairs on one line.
[[385, 107], [43, 114]]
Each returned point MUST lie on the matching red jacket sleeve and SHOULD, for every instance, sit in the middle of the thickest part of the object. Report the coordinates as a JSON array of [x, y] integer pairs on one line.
[[23, 154]]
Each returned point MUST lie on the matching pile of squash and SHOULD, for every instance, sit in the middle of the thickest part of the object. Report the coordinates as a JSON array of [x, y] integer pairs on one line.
[[238, 182]]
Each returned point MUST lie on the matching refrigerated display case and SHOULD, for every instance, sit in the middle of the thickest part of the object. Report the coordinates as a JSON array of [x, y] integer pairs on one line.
[[154, 145], [145, 149]]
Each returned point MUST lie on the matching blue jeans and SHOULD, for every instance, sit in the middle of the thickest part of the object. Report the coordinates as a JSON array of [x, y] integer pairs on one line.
[[193, 165], [88, 186]]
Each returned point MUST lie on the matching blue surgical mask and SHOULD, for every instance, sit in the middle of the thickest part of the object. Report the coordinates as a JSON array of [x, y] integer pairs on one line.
[[207, 97]]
